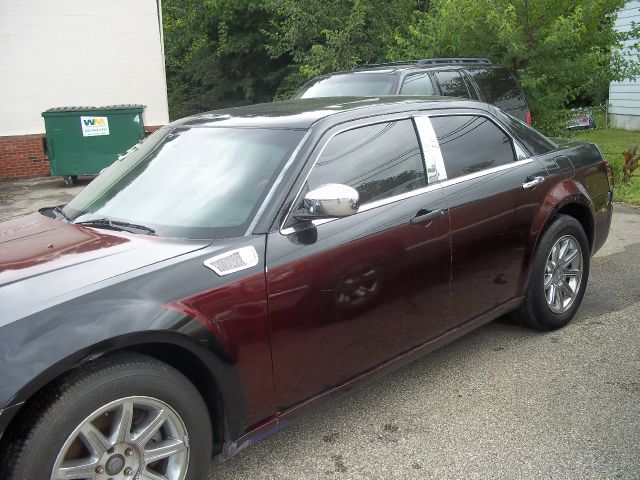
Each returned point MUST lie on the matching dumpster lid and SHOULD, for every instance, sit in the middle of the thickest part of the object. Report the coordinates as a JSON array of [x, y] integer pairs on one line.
[[127, 106]]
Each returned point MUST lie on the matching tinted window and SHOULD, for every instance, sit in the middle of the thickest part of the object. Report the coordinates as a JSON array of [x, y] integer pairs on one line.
[[470, 144], [197, 183], [349, 85], [452, 84], [536, 143], [497, 84], [379, 161], [418, 84]]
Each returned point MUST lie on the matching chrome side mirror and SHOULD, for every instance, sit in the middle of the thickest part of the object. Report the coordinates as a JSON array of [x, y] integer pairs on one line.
[[329, 201]]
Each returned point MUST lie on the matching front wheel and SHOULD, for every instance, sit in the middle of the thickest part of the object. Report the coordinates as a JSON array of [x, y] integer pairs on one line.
[[558, 277], [123, 418]]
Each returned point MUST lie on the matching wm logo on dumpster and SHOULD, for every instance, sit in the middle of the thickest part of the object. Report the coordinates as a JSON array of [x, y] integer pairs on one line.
[[95, 121], [94, 126]]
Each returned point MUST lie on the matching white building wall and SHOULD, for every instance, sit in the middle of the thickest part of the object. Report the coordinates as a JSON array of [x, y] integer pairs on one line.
[[624, 97], [56, 53]]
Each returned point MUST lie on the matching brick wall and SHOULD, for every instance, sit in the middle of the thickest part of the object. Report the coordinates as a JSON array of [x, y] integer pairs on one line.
[[23, 157]]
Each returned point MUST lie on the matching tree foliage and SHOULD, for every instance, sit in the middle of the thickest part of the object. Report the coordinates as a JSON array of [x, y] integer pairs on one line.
[[333, 35], [562, 51], [216, 55], [231, 52]]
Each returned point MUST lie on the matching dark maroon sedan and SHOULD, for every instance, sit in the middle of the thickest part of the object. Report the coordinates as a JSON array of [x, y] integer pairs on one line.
[[239, 266]]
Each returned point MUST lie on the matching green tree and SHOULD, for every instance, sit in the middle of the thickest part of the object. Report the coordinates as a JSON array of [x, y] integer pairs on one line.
[[331, 35], [216, 55], [560, 50]]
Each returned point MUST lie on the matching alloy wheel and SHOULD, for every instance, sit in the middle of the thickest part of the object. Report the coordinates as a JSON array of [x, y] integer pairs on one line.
[[139, 438], [563, 274]]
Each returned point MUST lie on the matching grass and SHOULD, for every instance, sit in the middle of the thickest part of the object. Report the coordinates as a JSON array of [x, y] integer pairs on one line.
[[613, 142]]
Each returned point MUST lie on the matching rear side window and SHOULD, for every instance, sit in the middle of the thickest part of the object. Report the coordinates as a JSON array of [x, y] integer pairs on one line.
[[452, 84], [497, 84], [471, 143], [417, 84], [536, 143], [379, 161]]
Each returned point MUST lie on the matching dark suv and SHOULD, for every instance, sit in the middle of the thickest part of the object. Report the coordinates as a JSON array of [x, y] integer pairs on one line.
[[475, 78]]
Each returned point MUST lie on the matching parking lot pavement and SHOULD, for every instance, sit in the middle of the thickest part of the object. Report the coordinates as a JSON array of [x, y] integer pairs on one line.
[[26, 196], [502, 402]]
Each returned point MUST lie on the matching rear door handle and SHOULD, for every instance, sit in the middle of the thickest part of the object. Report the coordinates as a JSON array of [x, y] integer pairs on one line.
[[427, 215], [532, 182]]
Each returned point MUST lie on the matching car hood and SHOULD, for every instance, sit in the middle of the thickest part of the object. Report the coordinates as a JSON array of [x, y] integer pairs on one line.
[[41, 257]]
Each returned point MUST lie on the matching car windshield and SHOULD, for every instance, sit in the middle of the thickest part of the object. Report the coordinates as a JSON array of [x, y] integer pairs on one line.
[[189, 182], [349, 85]]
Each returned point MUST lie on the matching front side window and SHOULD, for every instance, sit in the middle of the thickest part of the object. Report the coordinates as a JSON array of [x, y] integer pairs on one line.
[[452, 84], [379, 161], [417, 84], [189, 182], [471, 143]]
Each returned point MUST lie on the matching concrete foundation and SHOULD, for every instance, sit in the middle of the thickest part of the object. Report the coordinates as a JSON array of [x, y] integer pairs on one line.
[[626, 122]]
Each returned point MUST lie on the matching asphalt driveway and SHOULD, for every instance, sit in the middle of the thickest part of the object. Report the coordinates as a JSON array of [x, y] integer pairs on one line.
[[502, 402]]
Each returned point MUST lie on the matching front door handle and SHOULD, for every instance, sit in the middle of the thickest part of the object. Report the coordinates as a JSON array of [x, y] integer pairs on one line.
[[532, 182], [426, 215]]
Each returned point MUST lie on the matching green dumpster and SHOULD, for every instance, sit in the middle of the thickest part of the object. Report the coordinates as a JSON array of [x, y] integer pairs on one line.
[[84, 140]]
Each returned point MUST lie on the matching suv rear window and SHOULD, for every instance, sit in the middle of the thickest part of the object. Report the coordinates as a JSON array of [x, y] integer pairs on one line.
[[496, 84]]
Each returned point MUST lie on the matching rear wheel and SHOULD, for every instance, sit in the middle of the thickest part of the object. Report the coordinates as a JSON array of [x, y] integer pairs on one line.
[[558, 277], [123, 418]]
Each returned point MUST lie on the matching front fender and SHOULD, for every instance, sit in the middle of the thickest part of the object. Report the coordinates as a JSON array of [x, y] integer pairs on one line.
[[31, 357]]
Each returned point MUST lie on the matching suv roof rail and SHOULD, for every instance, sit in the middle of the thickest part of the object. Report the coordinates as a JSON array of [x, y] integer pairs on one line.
[[425, 61], [387, 64], [432, 61]]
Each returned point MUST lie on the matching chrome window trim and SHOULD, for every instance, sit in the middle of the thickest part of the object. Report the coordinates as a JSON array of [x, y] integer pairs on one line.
[[434, 163], [423, 127], [353, 125], [521, 154], [277, 182], [488, 171]]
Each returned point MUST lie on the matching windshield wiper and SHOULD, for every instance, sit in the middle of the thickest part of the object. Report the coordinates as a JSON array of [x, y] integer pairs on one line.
[[59, 213], [117, 225]]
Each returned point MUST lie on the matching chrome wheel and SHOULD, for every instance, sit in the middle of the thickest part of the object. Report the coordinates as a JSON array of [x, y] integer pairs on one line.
[[563, 274], [133, 438]]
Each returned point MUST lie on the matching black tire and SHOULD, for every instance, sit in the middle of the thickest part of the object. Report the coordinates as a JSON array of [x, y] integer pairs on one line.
[[535, 311], [52, 416]]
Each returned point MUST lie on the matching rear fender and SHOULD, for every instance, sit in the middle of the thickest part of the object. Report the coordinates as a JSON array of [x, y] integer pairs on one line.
[[564, 193]]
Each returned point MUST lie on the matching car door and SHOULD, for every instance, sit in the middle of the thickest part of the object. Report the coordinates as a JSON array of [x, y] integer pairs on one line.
[[348, 294], [489, 177]]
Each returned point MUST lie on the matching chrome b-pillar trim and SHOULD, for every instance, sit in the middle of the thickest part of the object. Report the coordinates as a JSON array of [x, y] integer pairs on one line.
[[431, 148]]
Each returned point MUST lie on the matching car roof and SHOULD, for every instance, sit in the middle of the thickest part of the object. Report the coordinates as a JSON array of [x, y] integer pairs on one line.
[[302, 113]]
